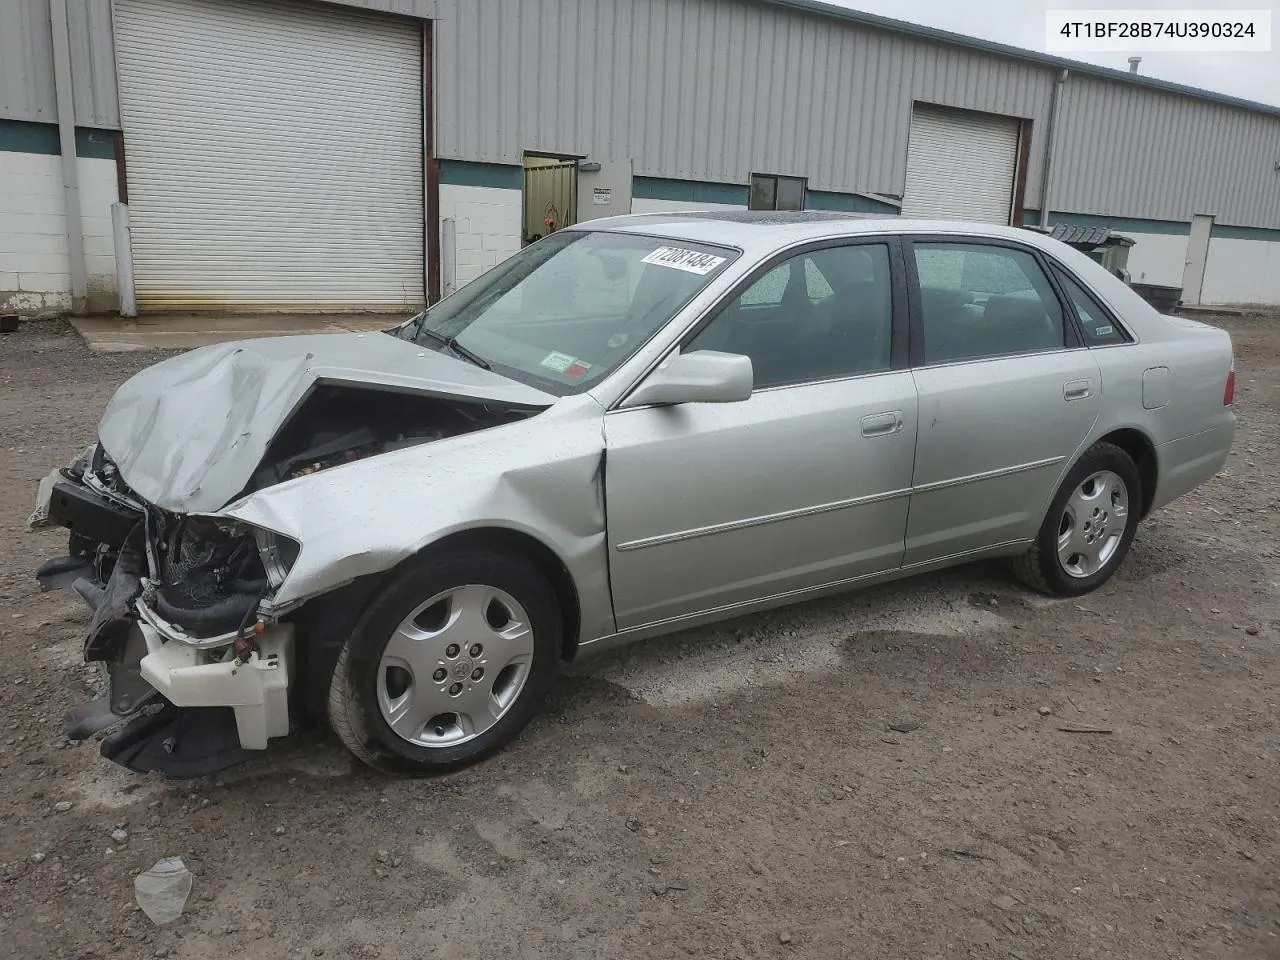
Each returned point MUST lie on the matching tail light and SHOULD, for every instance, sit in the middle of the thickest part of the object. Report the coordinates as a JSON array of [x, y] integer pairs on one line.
[[1229, 394]]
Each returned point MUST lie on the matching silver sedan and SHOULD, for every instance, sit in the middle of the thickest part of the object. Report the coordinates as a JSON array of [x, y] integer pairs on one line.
[[632, 427]]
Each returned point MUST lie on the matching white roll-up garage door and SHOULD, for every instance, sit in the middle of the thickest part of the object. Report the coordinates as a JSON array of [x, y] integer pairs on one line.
[[274, 154], [960, 165]]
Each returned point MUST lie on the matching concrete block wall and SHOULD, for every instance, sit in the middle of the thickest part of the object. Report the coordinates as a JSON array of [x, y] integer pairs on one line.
[[1239, 270], [35, 264], [1157, 258], [1242, 271], [1243, 267], [487, 226]]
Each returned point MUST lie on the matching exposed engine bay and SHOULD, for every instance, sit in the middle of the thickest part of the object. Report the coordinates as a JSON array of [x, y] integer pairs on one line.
[[172, 594], [341, 424]]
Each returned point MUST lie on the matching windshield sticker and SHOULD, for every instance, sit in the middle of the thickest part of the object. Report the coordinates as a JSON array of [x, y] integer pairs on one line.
[[690, 261], [559, 362], [577, 369], [1104, 331]]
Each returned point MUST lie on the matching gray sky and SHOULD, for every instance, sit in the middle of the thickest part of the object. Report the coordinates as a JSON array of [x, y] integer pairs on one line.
[[1021, 23]]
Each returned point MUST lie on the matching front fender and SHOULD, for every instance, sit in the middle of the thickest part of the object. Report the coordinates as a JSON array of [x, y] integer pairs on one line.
[[543, 479]]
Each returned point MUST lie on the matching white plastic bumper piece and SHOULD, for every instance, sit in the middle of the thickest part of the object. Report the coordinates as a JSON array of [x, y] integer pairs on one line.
[[258, 690]]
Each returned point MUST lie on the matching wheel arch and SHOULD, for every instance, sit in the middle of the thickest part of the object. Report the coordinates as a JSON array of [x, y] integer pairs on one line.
[[327, 620], [505, 539], [1142, 451]]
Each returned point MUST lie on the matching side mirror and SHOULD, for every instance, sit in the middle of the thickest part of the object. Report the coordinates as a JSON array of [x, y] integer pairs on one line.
[[703, 376]]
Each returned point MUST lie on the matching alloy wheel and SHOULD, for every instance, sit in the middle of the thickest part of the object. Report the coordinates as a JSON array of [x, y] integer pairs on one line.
[[455, 665]]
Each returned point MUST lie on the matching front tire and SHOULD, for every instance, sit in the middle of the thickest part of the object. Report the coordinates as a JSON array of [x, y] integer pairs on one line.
[[448, 664], [1089, 527]]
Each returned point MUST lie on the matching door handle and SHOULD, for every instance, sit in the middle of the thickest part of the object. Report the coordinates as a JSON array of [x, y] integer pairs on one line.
[[1077, 390], [882, 424]]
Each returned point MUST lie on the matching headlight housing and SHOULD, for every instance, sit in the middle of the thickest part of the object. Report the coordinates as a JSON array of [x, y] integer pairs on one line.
[[278, 552]]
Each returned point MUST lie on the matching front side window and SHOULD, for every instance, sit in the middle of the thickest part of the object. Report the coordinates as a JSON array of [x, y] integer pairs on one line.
[[1096, 326], [566, 311], [979, 301], [769, 192], [820, 315]]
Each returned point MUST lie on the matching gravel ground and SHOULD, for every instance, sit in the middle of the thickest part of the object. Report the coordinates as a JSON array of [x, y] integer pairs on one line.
[[735, 792]]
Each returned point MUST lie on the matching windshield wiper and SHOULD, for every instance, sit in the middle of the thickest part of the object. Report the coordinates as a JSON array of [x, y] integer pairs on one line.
[[453, 344]]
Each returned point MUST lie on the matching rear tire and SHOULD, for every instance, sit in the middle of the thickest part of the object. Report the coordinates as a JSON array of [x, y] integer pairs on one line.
[[1090, 525], [448, 664]]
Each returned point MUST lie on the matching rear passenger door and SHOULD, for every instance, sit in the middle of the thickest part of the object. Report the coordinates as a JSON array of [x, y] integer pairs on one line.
[[1008, 394]]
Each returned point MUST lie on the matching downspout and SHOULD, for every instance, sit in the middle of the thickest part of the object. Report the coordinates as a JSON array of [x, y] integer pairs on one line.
[[67, 141], [1046, 180]]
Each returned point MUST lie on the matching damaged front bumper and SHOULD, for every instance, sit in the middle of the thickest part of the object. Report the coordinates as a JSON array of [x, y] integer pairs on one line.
[[185, 698], [255, 688]]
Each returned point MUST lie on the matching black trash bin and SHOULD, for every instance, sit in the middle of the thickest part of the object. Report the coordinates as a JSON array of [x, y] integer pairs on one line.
[[1164, 299]]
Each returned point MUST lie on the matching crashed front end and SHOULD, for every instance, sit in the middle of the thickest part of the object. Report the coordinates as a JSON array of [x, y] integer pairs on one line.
[[196, 677], [200, 618]]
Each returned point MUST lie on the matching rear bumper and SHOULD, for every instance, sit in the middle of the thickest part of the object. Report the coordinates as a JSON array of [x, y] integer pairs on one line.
[[1186, 463]]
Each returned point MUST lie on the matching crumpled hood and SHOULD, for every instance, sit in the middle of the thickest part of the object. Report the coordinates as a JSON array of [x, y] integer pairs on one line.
[[188, 433]]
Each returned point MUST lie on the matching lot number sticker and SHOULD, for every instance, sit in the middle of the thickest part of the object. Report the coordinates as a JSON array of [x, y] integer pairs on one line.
[[690, 261]]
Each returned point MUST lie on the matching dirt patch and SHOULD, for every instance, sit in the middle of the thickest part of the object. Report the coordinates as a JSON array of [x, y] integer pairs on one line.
[[737, 791]]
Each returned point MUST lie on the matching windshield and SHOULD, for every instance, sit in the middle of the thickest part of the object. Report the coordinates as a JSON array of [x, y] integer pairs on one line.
[[564, 312]]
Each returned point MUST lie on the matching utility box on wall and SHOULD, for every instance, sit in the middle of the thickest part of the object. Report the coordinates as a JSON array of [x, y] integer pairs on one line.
[[604, 189]]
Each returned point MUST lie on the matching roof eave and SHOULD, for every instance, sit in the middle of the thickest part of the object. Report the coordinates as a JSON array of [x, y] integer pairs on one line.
[[875, 21]]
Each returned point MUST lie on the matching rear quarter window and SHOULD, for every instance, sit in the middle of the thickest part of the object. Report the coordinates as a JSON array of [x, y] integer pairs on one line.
[[1097, 326]]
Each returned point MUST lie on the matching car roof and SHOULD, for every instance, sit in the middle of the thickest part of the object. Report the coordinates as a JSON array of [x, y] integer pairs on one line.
[[760, 231]]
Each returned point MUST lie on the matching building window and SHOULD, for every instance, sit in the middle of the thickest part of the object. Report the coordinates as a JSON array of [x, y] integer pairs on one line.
[[776, 193]]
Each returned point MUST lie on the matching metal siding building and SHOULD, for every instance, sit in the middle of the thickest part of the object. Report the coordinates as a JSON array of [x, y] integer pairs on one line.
[[1132, 151], [707, 90], [695, 97], [27, 89]]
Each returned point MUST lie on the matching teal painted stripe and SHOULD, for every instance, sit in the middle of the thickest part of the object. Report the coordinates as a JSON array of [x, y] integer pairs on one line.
[[1172, 228], [460, 173], [19, 136], [97, 144], [1246, 233], [22, 136], [847, 202], [688, 191]]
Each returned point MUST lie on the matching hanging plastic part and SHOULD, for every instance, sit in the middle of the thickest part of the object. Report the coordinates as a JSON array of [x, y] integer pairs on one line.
[[1229, 394], [246, 642], [246, 638]]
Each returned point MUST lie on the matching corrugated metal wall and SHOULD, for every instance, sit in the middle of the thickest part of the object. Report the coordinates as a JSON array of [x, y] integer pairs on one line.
[[794, 93], [1130, 151], [706, 89], [716, 89], [93, 63], [26, 62]]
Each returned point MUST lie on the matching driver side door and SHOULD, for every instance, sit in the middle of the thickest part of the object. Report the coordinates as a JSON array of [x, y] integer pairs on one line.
[[804, 484]]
